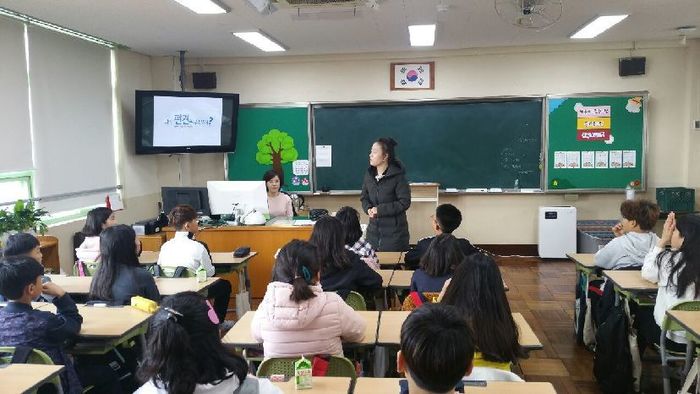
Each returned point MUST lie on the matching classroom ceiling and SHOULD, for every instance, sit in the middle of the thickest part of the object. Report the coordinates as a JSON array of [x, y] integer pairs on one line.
[[162, 27]]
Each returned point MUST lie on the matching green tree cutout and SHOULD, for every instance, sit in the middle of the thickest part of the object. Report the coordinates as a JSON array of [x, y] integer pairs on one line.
[[276, 148]]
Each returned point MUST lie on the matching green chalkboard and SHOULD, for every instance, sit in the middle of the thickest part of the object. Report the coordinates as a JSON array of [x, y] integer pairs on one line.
[[272, 137], [459, 144], [596, 143]]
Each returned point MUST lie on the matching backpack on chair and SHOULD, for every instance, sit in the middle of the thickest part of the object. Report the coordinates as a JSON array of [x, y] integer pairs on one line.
[[612, 364]]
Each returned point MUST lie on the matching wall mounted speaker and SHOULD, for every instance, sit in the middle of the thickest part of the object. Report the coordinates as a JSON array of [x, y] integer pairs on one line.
[[632, 66], [204, 80]]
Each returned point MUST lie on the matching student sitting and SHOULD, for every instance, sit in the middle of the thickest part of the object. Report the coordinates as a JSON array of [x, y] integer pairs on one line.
[[184, 353], [25, 244], [342, 270], [296, 316], [476, 289], [446, 220], [21, 325], [676, 271], [633, 236], [97, 220], [119, 275], [437, 265], [354, 241], [182, 251]]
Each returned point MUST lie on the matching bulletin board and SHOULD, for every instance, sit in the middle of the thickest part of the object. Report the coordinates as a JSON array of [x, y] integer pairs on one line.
[[272, 137], [596, 142]]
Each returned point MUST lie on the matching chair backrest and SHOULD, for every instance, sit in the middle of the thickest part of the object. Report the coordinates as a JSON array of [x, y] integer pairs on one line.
[[35, 357], [85, 268], [337, 366], [356, 301], [177, 272]]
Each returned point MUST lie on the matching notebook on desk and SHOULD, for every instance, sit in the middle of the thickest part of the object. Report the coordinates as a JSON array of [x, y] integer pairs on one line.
[[302, 222]]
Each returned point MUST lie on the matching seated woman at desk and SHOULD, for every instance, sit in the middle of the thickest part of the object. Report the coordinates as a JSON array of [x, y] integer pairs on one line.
[[88, 239], [279, 203]]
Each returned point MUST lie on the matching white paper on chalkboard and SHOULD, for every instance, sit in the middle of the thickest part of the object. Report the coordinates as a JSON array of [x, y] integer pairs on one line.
[[324, 156]]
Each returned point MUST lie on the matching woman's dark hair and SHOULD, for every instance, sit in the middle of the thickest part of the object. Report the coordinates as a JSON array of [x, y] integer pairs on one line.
[[269, 174], [181, 214], [477, 291], [297, 263], [388, 144], [686, 272], [184, 348], [329, 237], [443, 256], [96, 218], [117, 247], [437, 347], [644, 212], [19, 244], [350, 219]]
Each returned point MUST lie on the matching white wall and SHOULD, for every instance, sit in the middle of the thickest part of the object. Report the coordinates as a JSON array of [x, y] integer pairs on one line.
[[671, 69]]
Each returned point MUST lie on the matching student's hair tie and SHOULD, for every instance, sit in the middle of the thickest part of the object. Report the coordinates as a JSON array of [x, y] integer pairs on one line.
[[212, 314], [305, 273], [172, 314]]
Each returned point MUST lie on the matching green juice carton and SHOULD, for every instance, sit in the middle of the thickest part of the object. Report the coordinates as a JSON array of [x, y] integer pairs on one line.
[[201, 274], [302, 374]]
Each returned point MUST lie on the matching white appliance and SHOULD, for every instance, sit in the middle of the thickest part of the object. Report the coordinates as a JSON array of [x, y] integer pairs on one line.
[[556, 231]]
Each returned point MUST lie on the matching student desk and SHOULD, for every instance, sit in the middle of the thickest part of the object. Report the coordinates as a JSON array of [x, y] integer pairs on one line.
[[386, 276], [690, 320], [401, 279], [321, 385], [148, 257], [390, 330], [391, 385], [263, 239], [166, 286], [104, 328], [240, 334], [631, 285], [390, 258], [22, 378]]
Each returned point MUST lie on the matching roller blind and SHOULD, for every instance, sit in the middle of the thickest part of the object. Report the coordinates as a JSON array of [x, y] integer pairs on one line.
[[16, 140], [71, 98]]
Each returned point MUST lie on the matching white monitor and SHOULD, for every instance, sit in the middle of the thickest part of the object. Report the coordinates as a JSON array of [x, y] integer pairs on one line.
[[248, 195]]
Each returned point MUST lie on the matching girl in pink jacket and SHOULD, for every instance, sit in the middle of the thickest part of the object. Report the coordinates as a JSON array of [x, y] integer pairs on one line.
[[296, 317]]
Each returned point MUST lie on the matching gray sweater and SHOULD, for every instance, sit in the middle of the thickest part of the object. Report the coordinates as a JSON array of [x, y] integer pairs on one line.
[[627, 250]]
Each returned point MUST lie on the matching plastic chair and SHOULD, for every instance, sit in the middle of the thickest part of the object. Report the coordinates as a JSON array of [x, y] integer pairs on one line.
[[337, 366], [177, 272], [85, 268], [356, 301], [35, 357], [666, 355]]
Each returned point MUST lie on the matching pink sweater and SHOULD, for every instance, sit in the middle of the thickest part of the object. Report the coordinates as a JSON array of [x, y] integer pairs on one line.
[[281, 205], [314, 326]]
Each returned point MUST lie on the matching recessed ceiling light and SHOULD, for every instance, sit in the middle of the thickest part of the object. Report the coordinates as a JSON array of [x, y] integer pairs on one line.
[[205, 6], [260, 40], [686, 29], [597, 26], [422, 35]]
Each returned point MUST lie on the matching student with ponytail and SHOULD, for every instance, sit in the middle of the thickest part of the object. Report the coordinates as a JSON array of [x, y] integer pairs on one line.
[[296, 317], [184, 353]]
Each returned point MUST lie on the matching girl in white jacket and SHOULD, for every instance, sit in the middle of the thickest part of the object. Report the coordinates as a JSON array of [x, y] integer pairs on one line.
[[296, 317], [677, 272], [184, 353]]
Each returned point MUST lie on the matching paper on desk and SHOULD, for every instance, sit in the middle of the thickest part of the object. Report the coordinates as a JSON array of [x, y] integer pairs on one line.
[[324, 155]]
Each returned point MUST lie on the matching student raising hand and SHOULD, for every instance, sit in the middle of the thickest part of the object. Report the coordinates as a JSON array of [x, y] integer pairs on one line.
[[669, 227]]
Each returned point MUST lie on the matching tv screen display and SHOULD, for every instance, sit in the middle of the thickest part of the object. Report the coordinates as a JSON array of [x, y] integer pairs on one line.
[[185, 122]]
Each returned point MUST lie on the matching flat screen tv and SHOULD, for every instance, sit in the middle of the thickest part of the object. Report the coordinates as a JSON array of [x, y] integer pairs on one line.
[[185, 122]]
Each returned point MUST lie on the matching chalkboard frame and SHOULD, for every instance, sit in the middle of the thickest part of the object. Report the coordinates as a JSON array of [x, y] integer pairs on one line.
[[359, 103], [645, 141]]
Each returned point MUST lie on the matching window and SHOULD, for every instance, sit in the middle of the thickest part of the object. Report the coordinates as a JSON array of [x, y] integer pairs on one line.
[[15, 186]]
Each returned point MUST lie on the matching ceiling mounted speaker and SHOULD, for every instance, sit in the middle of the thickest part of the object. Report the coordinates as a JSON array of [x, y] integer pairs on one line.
[[632, 66], [204, 80]]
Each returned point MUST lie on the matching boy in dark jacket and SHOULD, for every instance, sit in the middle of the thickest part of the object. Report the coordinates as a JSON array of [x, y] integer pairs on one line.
[[21, 325], [446, 219]]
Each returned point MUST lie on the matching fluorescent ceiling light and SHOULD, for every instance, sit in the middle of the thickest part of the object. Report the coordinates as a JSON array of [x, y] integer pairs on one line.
[[205, 6], [261, 41], [597, 26], [422, 35]]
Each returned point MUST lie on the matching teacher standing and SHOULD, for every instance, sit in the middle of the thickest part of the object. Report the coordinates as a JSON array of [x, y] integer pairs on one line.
[[385, 198]]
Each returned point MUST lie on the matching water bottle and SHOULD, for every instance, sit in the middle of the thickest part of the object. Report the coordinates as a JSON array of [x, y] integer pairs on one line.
[[201, 274], [629, 192]]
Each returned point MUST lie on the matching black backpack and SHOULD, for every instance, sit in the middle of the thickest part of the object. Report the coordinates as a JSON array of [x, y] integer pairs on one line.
[[612, 364]]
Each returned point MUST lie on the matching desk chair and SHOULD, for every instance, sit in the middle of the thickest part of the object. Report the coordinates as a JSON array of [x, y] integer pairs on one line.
[[36, 356], [356, 301], [667, 355], [85, 268], [176, 272], [337, 366]]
